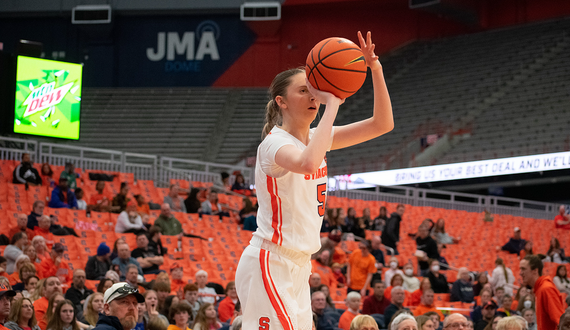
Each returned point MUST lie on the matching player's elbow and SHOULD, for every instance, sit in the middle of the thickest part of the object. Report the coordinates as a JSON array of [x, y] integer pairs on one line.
[[309, 167]]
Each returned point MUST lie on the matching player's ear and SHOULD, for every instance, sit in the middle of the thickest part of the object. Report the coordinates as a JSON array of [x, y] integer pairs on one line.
[[281, 102]]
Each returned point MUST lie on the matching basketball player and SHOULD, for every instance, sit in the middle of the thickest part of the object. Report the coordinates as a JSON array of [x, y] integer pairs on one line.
[[291, 179]]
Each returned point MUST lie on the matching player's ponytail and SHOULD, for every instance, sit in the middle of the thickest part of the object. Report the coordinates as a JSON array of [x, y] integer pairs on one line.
[[278, 87]]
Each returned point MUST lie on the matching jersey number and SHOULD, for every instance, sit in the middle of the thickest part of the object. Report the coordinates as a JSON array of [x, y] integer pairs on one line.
[[321, 198], [263, 323]]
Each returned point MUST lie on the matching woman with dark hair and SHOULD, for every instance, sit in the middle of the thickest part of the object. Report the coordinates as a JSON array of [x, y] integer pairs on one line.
[[63, 317], [350, 222], [482, 279], [248, 215], [325, 289], [30, 285], [25, 270], [52, 305], [441, 236], [334, 220], [416, 296], [380, 221], [22, 316], [239, 185], [169, 301], [365, 218], [142, 205], [493, 324], [47, 176], [555, 251], [561, 279], [228, 304], [120, 201], [527, 251], [104, 284], [192, 202]]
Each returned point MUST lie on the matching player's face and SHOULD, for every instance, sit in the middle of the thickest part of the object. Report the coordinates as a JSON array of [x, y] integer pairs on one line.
[[299, 102]]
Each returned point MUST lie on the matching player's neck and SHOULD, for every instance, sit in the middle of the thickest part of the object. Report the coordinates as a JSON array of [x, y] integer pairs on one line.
[[299, 130]]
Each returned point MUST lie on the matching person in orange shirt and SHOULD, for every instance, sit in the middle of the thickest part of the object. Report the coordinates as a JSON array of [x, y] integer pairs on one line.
[[44, 222], [339, 255], [548, 301], [14, 278], [361, 267], [176, 282], [54, 266], [338, 275], [352, 304], [320, 266], [427, 305], [228, 305], [100, 201], [22, 225], [562, 220], [49, 287], [416, 296], [142, 205], [39, 244]]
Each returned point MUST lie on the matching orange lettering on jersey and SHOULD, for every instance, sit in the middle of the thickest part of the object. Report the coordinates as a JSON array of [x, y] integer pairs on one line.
[[321, 173]]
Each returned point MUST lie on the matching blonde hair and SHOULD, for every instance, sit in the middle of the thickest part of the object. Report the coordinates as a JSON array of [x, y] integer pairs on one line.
[[363, 320], [278, 87], [90, 315], [512, 323]]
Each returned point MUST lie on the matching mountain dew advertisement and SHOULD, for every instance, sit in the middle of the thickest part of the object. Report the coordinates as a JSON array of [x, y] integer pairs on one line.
[[48, 98]]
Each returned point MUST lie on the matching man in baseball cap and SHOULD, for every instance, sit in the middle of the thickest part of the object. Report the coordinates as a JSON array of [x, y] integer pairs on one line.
[[6, 295], [121, 308]]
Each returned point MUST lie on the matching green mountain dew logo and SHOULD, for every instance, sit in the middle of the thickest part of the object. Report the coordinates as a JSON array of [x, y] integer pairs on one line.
[[48, 98]]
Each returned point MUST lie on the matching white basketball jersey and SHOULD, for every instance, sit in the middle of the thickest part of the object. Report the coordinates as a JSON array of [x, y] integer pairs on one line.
[[291, 205]]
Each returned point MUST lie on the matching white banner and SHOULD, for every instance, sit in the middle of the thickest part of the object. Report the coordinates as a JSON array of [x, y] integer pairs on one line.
[[457, 171]]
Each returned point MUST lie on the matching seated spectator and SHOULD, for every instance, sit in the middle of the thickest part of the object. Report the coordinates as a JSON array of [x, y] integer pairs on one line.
[[205, 294], [37, 211], [505, 308], [353, 305], [462, 289], [482, 279], [512, 323], [561, 280], [30, 251], [154, 243], [427, 305], [104, 284], [98, 265], [397, 280], [225, 181], [207, 318], [353, 225], [15, 278], [248, 215], [63, 317], [364, 322], [424, 322], [174, 200], [69, 174], [62, 196], [441, 236], [46, 174], [192, 203], [320, 266], [100, 202], [502, 277], [376, 250], [129, 221], [228, 304], [487, 310], [142, 205], [376, 303], [392, 271], [177, 283], [442, 261], [521, 292], [151, 302], [325, 289], [22, 315], [499, 294], [315, 281], [477, 313], [411, 283], [162, 289], [361, 267], [239, 185], [81, 204], [530, 317], [365, 218], [415, 297], [148, 258], [30, 285], [556, 252], [324, 321], [455, 321], [437, 280], [124, 259], [6, 296], [380, 221], [77, 293], [527, 251], [333, 242], [398, 297], [338, 275], [212, 206], [54, 266], [39, 243], [132, 278], [25, 173], [21, 226], [119, 203], [426, 248], [515, 243], [179, 316], [562, 219], [168, 224], [191, 296], [14, 250], [93, 307], [50, 286], [47, 227]]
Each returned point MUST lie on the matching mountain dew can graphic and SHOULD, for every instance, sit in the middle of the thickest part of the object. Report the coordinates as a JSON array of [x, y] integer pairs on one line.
[[48, 98]]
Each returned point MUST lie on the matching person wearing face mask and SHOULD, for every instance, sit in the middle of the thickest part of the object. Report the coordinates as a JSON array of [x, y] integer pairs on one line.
[[25, 173], [392, 271], [526, 301], [437, 280], [411, 283]]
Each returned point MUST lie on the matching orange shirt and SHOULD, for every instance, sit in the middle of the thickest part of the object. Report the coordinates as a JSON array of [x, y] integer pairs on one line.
[[30, 233], [14, 278], [360, 267], [226, 309], [422, 309], [560, 218], [45, 234], [415, 297], [40, 307], [143, 209], [177, 288], [339, 256], [514, 305], [48, 268], [549, 304], [345, 319], [327, 275], [98, 198]]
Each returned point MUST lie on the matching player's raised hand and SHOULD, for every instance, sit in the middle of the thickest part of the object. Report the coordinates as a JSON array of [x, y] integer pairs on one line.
[[367, 48]]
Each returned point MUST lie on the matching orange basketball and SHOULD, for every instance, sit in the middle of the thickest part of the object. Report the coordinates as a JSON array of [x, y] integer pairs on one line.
[[336, 65]]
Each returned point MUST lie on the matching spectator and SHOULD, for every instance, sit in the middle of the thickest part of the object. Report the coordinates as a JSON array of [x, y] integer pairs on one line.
[[424, 322], [151, 302], [142, 205], [154, 243], [129, 221], [338, 275], [488, 310], [339, 255], [81, 204], [132, 277], [325, 321], [6, 295], [361, 267], [179, 316], [30, 251], [119, 203], [434, 317], [162, 289], [397, 280], [353, 305], [30, 285], [25, 173], [98, 265], [62, 196], [455, 321], [92, 308], [54, 266], [427, 305], [350, 222], [227, 306], [398, 297], [392, 271], [248, 215], [437, 280], [477, 313], [415, 297], [156, 324], [512, 323], [191, 202], [391, 233], [63, 317], [380, 221], [561, 280], [100, 202], [426, 249], [46, 174], [14, 278], [528, 315], [376, 245], [462, 289], [320, 266], [526, 301], [505, 308], [37, 211], [315, 281], [239, 185], [522, 292], [43, 230], [50, 287], [225, 181], [207, 318], [549, 303], [14, 250], [148, 258], [502, 277], [120, 309], [22, 315], [334, 221], [211, 205], [330, 304], [556, 252], [376, 303], [441, 236], [174, 200], [482, 279], [366, 220], [52, 304], [21, 226], [191, 296], [515, 243], [442, 261], [499, 294], [124, 259], [69, 174], [561, 220], [363, 322], [169, 302], [77, 293], [168, 224], [403, 321], [104, 284], [26, 269], [411, 283], [205, 294], [527, 251]]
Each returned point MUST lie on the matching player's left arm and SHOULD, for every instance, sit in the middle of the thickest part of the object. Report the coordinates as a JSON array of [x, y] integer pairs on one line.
[[382, 120]]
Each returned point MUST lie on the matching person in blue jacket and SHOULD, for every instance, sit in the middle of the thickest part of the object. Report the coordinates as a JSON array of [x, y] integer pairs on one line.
[[62, 196]]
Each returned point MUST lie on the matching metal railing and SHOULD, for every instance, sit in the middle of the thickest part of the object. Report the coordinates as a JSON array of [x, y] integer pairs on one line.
[[196, 166], [12, 148]]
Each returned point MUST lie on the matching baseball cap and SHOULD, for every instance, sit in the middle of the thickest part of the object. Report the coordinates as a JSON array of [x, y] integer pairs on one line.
[[517, 229], [121, 290], [6, 291], [58, 247], [489, 304], [174, 266]]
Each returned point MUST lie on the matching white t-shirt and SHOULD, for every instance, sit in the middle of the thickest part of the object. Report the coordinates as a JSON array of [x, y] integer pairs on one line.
[[207, 299], [291, 205]]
